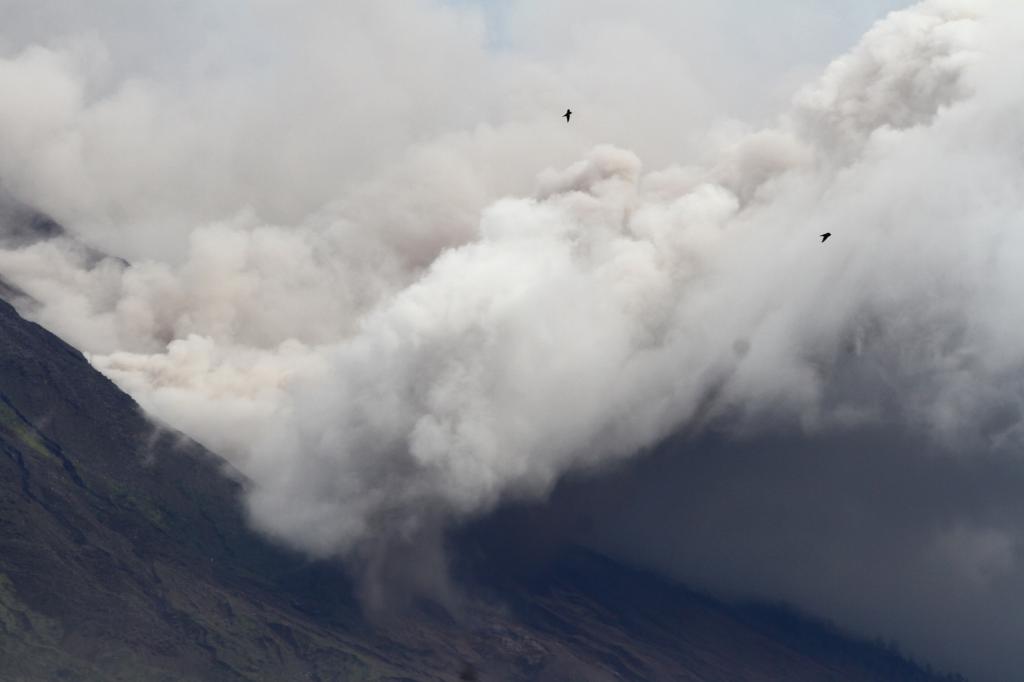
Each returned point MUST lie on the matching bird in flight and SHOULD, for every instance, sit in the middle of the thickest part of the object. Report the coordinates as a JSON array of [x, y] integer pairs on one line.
[[825, 236], [567, 114]]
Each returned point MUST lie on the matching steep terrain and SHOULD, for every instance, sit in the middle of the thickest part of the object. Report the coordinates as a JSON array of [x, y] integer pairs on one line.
[[124, 555]]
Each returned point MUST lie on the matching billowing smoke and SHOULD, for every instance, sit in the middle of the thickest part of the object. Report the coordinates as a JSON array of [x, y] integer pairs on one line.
[[389, 321]]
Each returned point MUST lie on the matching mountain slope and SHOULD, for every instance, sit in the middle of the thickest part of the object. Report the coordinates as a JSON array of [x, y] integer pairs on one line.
[[121, 548], [124, 555]]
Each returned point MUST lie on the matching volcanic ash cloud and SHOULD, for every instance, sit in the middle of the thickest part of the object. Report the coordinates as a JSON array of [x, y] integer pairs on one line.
[[370, 383]]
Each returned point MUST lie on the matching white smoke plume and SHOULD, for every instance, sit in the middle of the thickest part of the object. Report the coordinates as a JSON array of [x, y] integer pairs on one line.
[[420, 332]]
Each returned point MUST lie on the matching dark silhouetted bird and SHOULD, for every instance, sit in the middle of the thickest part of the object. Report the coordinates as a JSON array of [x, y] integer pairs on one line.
[[567, 114], [825, 236]]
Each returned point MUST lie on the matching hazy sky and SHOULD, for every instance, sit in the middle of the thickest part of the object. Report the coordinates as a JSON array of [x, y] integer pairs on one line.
[[367, 262]]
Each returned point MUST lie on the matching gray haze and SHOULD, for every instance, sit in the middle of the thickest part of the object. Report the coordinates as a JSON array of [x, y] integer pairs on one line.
[[367, 262], [874, 529]]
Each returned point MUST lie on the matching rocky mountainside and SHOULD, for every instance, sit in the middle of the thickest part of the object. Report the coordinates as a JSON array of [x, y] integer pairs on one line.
[[124, 555]]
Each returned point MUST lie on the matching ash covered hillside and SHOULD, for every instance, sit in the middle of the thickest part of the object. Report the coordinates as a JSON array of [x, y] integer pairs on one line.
[[124, 555]]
